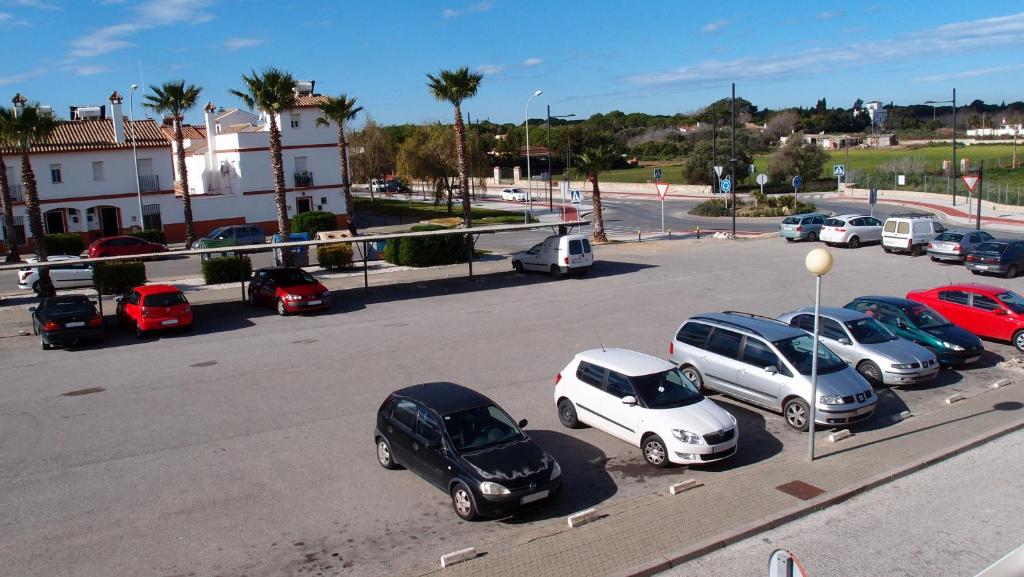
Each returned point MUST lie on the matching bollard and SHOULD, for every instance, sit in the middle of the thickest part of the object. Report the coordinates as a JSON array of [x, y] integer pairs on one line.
[[698, 233], [670, 234], [639, 238]]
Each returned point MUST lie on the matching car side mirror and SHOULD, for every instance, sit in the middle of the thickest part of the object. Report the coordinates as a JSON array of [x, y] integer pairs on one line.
[[771, 369], [432, 445], [31, 309], [629, 400], [999, 312], [843, 341], [901, 323], [523, 423]]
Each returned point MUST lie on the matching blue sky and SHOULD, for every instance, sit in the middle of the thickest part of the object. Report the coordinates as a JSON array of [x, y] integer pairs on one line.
[[656, 56]]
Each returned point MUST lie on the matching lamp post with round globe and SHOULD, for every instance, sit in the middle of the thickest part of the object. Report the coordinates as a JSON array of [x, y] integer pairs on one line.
[[818, 263]]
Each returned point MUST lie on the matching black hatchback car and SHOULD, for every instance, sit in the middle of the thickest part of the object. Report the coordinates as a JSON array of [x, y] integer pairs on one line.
[[66, 320], [467, 446], [1000, 256]]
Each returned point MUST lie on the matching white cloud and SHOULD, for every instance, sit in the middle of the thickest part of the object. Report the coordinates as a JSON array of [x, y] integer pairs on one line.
[[712, 27], [478, 7], [830, 15], [973, 73], [37, 4], [148, 15], [21, 77], [532, 62], [166, 12], [89, 69], [989, 33], [490, 68], [233, 44], [103, 41]]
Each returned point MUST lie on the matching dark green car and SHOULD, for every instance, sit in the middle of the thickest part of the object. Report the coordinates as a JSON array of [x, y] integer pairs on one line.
[[918, 323]]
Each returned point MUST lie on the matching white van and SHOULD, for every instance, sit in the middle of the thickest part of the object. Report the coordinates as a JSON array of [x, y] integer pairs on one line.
[[909, 232], [558, 255]]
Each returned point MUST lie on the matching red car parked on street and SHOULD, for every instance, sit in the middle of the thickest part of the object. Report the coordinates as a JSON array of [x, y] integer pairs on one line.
[[123, 245], [983, 309], [289, 289], [154, 307]]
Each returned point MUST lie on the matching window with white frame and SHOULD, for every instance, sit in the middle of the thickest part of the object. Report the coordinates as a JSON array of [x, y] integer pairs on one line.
[[55, 176], [296, 120], [97, 170]]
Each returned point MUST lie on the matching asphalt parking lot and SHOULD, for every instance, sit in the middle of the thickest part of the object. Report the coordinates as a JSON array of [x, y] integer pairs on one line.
[[245, 447]]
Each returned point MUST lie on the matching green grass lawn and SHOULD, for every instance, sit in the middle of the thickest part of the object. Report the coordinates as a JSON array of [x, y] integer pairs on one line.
[[417, 210]]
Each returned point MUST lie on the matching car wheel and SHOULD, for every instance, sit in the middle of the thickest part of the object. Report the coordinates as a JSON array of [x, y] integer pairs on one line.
[[934, 259], [384, 456], [567, 414], [812, 236], [43, 344], [916, 250], [252, 298], [854, 242], [35, 289], [975, 272], [1018, 340], [694, 375], [556, 272], [871, 373], [789, 239], [1012, 271], [655, 452], [35, 328], [517, 266], [797, 414], [138, 331], [887, 250], [281, 309], [462, 502]]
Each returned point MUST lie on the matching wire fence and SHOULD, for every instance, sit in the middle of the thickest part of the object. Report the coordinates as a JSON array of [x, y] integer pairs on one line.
[[992, 190]]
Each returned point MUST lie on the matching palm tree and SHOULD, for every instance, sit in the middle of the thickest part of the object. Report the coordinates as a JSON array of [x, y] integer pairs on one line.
[[454, 87], [6, 202], [272, 92], [591, 163], [175, 99], [339, 111], [31, 126]]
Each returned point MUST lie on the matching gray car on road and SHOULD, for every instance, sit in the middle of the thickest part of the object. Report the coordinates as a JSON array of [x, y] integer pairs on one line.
[[881, 357], [953, 245]]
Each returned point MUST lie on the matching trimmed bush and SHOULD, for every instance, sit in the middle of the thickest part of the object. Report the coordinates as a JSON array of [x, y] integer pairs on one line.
[[151, 235], [427, 251], [332, 256], [118, 276], [314, 222], [713, 207], [64, 243], [226, 269]]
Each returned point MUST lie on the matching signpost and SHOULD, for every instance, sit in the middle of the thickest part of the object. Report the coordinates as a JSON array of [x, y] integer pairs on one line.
[[762, 179], [797, 181], [972, 181], [657, 174], [662, 192], [873, 199], [838, 171], [718, 173], [726, 185], [575, 197]]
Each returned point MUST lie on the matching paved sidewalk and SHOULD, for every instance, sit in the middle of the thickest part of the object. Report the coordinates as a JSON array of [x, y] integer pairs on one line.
[[645, 536]]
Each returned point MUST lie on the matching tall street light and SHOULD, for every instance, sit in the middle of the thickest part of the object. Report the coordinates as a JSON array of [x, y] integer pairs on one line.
[[135, 157], [818, 263], [953, 102], [529, 176], [551, 204]]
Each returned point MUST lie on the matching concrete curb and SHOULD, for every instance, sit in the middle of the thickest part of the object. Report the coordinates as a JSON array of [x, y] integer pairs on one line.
[[676, 558]]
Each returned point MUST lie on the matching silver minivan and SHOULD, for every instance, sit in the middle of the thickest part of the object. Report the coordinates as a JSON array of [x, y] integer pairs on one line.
[[766, 362]]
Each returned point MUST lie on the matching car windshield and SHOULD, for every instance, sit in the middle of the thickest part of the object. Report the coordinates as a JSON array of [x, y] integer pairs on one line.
[[869, 331], [797, 351], [925, 318], [791, 220], [164, 299], [480, 428], [666, 390], [1013, 301], [294, 277], [950, 237], [216, 232], [996, 247]]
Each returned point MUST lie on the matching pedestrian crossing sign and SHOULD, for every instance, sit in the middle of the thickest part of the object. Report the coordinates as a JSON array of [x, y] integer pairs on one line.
[[838, 170], [575, 197]]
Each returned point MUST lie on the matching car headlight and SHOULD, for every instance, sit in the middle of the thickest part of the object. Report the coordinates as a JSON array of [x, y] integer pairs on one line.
[[489, 488], [953, 347], [326, 294], [292, 297], [902, 366], [687, 437], [556, 471], [731, 416], [831, 399]]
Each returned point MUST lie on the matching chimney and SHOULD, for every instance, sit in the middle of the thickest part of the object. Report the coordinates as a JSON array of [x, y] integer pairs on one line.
[[19, 103], [211, 139], [115, 115]]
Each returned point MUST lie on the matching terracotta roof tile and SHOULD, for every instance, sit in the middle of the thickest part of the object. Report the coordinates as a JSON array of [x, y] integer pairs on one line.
[[79, 135], [309, 100], [188, 132]]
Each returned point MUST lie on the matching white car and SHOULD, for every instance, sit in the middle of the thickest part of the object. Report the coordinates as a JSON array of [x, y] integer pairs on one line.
[[557, 255], [513, 194], [646, 402], [851, 230], [70, 274]]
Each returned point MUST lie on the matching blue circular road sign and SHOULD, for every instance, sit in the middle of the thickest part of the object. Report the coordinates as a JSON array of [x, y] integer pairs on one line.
[[726, 185], [797, 181]]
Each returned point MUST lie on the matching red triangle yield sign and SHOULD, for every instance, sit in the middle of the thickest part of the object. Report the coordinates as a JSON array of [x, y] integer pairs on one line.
[[971, 181], [662, 189]]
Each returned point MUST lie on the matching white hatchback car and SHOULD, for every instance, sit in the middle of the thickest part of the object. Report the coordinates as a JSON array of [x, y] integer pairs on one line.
[[851, 230], [71, 273], [646, 402], [513, 194]]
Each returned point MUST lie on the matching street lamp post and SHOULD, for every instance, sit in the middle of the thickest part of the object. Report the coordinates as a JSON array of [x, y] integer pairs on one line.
[[953, 102], [529, 177], [135, 157], [551, 203], [818, 263]]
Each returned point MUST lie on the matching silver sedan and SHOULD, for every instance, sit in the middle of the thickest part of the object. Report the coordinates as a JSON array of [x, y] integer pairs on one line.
[[953, 245], [881, 357]]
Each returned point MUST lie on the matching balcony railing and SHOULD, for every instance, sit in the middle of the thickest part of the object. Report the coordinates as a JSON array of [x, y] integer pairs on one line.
[[15, 193], [303, 179], [149, 182]]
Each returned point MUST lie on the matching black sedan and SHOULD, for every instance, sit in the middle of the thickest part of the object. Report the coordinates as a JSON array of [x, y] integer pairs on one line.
[[66, 320], [467, 446], [1001, 256]]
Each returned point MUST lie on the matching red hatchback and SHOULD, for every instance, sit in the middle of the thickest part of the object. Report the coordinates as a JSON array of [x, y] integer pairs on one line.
[[123, 245], [289, 289], [153, 308], [983, 309]]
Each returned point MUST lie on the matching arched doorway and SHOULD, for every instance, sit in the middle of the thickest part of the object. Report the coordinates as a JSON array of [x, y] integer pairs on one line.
[[56, 221]]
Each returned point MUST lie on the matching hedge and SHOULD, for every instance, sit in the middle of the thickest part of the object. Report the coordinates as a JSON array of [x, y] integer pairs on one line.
[[331, 256], [157, 236], [64, 243], [226, 269], [426, 251], [118, 276], [314, 222]]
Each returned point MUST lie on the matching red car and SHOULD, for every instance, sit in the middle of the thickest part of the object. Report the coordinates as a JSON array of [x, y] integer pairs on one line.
[[983, 309], [153, 308], [290, 289], [123, 245]]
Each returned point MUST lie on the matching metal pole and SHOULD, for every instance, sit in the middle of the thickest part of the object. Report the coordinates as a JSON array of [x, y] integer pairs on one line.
[[551, 202], [714, 150], [981, 190], [954, 150], [135, 158], [732, 160], [814, 369], [529, 176], [366, 271]]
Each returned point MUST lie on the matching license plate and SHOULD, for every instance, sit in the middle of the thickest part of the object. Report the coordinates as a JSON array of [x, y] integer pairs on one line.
[[169, 322], [535, 497], [972, 359], [313, 303], [981, 266], [75, 324]]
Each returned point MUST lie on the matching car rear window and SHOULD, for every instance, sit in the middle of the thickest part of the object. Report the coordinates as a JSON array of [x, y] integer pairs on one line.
[[835, 222], [575, 247], [996, 247], [903, 228], [890, 226], [164, 299], [694, 334], [950, 237], [791, 220], [586, 246], [69, 307]]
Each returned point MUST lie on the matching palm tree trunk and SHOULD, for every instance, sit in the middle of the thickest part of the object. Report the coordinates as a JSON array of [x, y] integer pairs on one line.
[[599, 235], [35, 224], [186, 197], [467, 212], [279, 193], [346, 185], [7, 204]]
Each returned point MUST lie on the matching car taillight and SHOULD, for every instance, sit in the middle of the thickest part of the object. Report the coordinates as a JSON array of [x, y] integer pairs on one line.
[[145, 312], [955, 248], [971, 258], [840, 230], [51, 326], [909, 242], [930, 245], [671, 347], [558, 377], [565, 260], [800, 228], [96, 321]]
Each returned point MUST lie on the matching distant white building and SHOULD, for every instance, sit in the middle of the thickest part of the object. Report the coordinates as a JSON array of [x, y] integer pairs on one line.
[[828, 141], [1005, 129], [877, 113]]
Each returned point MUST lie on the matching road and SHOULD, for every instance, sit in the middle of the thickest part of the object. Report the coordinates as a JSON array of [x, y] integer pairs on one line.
[[953, 519], [244, 448]]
